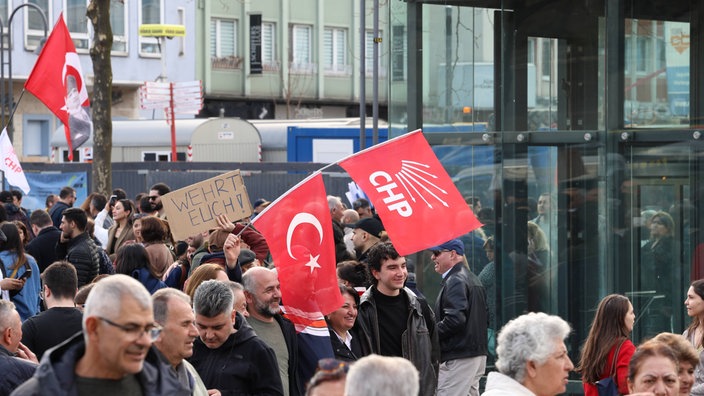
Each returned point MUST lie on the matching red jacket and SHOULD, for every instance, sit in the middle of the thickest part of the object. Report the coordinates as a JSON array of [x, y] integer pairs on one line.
[[254, 240], [624, 357]]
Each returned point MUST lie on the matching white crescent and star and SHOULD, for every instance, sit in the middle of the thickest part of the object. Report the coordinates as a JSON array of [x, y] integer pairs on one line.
[[304, 218]]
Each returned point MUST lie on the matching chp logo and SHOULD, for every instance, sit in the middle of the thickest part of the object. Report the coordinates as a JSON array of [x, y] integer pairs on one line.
[[414, 182]]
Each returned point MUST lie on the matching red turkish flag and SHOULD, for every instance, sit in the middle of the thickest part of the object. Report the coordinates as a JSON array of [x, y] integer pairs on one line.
[[298, 230], [412, 193], [57, 80]]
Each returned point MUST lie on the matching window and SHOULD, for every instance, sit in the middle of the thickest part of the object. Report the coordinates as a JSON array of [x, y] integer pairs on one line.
[[335, 50], [35, 137], [34, 25], [150, 13], [546, 59], [269, 46], [4, 14], [368, 51], [398, 53], [118, 21], [301, 48], [223, 44], [161, 156], [77, 23]]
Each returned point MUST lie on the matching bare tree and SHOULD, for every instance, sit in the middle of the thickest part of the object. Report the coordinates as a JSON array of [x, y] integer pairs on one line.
[[99, 15]]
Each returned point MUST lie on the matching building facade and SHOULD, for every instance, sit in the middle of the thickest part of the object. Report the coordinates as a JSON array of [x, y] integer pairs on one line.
[[135, 59], [288, 59]]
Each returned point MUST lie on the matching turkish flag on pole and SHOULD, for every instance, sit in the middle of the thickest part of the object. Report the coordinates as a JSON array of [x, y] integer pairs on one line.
[[10, 164], [298, 230], [57, 80], [412, 193]]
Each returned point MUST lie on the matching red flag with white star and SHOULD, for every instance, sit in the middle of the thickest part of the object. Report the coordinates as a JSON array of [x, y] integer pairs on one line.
[[57, 80], [412, 193], [298, 230]]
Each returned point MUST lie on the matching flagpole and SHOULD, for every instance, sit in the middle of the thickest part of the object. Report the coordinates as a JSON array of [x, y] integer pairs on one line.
[[14, 109], [312, 175]]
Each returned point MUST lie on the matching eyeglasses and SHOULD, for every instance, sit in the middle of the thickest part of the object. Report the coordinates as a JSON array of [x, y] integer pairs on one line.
[[438, 252], [135, 331], [153, 197]]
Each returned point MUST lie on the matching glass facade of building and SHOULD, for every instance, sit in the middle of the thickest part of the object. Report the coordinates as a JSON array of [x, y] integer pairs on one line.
[[586, 107]]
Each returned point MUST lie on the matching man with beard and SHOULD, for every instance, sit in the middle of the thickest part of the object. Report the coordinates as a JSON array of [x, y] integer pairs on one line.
[[229, 356], [77, 247], [172, 311], [112, 355], [263, 292], [155, 193]]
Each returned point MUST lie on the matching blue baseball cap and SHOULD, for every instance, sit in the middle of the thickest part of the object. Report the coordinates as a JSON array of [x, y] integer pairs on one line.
[[452, 244]]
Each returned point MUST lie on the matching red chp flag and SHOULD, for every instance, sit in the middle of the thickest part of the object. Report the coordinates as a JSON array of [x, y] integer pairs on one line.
[[298, 230], [57, 80], [412, 193]]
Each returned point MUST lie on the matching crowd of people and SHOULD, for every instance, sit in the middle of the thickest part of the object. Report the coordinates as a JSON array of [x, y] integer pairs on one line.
[[98, 298]]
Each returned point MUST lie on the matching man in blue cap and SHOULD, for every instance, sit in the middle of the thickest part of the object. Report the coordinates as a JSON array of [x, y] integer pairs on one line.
[[461, 315]]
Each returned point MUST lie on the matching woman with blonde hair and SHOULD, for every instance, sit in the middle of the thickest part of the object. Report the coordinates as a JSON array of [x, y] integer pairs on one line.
[[653, 370], [686, 356], [608, 350], [203, 273]]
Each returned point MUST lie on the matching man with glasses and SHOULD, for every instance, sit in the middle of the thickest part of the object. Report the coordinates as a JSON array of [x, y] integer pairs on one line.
[[228, 355], [395, 321], [462, 316], [112, 356]]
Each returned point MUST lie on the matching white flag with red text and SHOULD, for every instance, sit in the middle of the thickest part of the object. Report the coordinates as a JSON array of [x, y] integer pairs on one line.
[[412, 193], [11, 164]]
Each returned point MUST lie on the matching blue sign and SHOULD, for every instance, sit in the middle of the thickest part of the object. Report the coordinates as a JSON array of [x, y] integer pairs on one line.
[[43, 184]]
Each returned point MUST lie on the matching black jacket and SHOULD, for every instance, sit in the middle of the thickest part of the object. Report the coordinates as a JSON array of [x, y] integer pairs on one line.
[[56, 376], [56, 212], [242, 365], [419, 341], [84, 254], [43, 247], [338, 233], [462, 315], [14, 371], [298, 373], [360, 346]]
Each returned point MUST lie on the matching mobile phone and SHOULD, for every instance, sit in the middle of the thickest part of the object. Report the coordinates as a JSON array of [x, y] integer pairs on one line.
[[25, 275], [113, 199]]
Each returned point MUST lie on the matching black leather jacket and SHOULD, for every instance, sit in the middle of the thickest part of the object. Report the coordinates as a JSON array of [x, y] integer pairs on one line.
[[462, 315], [419, 341]]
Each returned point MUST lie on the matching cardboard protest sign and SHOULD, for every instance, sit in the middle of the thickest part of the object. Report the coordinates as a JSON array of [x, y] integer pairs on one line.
[[193, 209]]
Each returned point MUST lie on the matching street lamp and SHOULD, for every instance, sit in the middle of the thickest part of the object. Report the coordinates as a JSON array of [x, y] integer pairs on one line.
[[3, 99]]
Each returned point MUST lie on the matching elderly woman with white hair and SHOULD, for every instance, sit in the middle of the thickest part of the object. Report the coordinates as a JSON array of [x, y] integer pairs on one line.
[[532, 357]]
